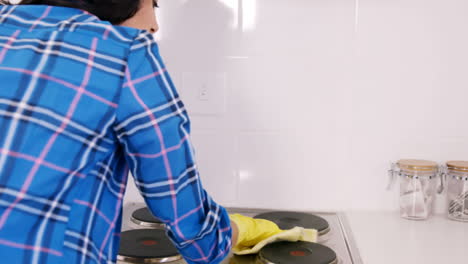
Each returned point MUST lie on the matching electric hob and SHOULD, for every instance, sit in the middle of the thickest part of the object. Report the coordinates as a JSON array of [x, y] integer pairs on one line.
[[334, 246]]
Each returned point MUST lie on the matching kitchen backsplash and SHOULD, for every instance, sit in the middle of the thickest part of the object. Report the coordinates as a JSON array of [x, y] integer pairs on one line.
[[303, 104]]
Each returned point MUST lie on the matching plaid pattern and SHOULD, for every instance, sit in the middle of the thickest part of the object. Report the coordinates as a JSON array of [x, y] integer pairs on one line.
[[82, 103]]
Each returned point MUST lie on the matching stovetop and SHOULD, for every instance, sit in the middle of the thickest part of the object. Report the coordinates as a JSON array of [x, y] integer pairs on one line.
[[339, 238]]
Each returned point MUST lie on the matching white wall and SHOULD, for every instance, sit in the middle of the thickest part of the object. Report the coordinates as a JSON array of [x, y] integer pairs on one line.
[[320, 95]]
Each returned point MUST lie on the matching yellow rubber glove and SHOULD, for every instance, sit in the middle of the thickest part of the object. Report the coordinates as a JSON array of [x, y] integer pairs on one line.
[[252, 231], [254, 234]]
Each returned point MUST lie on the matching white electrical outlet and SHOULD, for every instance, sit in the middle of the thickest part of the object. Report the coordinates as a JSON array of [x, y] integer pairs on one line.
[[204, 92]]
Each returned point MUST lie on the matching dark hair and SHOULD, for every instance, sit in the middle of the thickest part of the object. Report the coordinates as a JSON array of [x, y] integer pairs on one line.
[[114, 11]]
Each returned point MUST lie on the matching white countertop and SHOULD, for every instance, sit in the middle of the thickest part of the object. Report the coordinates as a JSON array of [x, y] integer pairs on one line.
[[385, 238]]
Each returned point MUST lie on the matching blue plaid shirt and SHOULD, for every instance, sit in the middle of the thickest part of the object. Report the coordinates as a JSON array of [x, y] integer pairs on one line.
[[82, 103]]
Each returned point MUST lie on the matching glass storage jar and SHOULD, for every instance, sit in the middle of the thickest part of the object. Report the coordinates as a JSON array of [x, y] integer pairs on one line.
[[418, 187], [457, 190]]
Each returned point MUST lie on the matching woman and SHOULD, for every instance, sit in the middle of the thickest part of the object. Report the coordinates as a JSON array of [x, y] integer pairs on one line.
[[83, 102]]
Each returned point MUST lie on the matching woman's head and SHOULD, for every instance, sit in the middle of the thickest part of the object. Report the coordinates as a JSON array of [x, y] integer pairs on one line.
[[145, 17], [114, 11]]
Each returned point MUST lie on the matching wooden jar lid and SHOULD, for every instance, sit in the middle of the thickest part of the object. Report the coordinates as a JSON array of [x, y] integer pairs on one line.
[[458, 165], [417, 165]]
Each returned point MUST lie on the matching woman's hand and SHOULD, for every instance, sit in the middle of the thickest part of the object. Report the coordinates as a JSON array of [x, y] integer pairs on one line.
[[252, 231], [250, 235]]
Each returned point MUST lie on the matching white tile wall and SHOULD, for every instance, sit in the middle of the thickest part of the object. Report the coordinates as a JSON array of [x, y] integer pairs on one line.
[[321, 95]]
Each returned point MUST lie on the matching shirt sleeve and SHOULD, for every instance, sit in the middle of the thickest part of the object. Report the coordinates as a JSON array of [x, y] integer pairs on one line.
[[153, 128]]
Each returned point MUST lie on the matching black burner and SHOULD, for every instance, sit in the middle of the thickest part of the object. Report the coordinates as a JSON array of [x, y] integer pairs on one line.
[[146, 246], [288, 220], [297, 253], [144, 218]]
